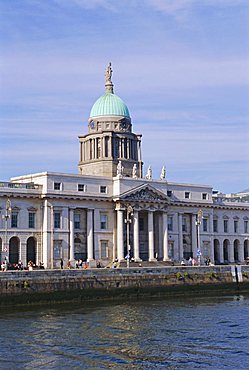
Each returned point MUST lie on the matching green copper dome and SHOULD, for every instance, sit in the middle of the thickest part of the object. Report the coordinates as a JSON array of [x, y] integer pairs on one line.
[[109, 104]]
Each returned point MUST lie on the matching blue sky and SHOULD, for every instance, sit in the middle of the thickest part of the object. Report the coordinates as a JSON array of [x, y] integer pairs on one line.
[[181, 66]]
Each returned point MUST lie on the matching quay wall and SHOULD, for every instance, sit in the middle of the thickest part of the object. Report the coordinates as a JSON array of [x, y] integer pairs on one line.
[[21, 287]]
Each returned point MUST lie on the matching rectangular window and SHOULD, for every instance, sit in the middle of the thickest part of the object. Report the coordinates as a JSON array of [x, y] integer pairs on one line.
[[215, 226], [103, 222], [14, 217], [104, 249], [141, 224], [57, 220], [235, 223], [187, 194], [205, 224], [204, 196], [184, 224], [169, 193], [225, 226], [31, 220], [103, 189], [57, 186], [77, 221], [81, 187], [170, 223], [245, 227]]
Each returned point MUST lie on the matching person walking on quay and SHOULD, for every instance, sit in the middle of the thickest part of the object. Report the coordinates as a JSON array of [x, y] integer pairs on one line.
[[61, 263]]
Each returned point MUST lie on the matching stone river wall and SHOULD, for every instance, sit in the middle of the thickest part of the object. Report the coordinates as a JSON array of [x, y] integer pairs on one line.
[[21, 287]]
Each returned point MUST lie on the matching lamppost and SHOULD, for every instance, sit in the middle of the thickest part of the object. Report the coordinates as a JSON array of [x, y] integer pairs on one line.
[[128, 221], [198, 224], [5, 217]]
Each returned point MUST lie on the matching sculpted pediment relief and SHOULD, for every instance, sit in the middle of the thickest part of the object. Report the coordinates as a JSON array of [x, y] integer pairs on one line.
[[145, 194]]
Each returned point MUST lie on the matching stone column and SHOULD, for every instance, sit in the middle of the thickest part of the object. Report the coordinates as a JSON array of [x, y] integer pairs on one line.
[[151, 236], [71, 235], [194, 236], [165, 237], [136, 236], [221, 250], [128, 149], [180, 241], [120, 235], [241, 252], [46, 235], [23, 253], [230, 252], [89, 235]]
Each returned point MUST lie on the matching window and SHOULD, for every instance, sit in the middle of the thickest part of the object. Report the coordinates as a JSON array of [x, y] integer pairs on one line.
[[81, 187], [141, 224], [205, 224], [169, 193], [235, 224], [187, 194], [57, 186], [104, 249], [14, 217], [77, 221], [204, 196], [215, 226], [184, 224], [245, 227], [57, 220], [170, 223], [103, 221], [103, 189], [225, 226], [31, 220]]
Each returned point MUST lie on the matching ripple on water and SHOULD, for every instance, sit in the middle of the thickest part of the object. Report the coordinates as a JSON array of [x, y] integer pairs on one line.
[[200, 333]]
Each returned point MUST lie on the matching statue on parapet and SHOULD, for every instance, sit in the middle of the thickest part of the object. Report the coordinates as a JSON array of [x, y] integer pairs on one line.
[[163, 174], [149, 173], [120, 169], [134, 171]]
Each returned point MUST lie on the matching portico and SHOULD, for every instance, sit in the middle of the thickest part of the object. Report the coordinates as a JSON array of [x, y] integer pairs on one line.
[[149, 227]]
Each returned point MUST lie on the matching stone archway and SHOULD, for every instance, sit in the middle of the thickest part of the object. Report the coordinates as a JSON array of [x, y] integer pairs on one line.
[[236, 246], [14, 246], [246, 248], [31, 250], [226, 245], [80, 250], [216, 251]]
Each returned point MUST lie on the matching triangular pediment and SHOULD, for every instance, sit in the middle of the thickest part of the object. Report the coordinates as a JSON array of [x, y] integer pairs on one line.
[[144, 193]]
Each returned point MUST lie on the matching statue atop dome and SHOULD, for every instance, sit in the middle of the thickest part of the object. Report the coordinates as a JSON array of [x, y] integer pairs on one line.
[[108, 73], [108, 79]]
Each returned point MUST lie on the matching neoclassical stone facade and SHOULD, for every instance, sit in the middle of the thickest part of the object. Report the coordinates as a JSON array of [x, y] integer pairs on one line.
[[110, 210]]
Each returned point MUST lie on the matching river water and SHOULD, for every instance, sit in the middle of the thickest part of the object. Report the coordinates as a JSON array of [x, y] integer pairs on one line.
[[175, 333]]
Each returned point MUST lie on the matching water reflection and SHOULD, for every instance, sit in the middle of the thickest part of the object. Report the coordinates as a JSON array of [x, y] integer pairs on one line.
[[196, 333]]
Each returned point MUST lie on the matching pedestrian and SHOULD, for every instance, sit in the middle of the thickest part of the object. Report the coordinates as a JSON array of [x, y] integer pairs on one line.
[[61, 263], [68, 264]]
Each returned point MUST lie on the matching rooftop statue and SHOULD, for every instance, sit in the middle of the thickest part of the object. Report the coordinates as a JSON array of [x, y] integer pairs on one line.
[[108, 79], [163, 174], [120, 169], [134, 171], [108, 74], [149, 173]]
